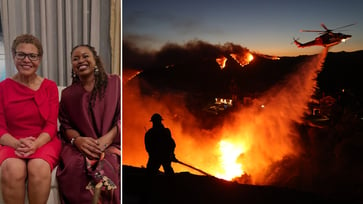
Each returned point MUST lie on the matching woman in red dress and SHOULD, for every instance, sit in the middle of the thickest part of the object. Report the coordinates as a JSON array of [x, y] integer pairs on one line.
[[29, 146], [90, 118]]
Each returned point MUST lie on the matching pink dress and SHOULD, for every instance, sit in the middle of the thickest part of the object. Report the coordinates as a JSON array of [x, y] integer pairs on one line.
[[25, 112]]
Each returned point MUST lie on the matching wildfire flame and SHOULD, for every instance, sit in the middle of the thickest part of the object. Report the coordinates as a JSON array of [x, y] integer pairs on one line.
[[228, 160], [129, 75], [241, 59], [221, 62], [249, 57]]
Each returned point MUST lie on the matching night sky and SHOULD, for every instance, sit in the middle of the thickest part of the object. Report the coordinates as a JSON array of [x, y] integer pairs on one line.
[[267, 27]]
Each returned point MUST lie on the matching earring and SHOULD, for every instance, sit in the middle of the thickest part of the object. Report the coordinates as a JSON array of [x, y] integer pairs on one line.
[[96, 70], [74, 75]]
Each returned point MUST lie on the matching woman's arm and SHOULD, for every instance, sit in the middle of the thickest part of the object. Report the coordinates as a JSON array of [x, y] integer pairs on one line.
[[70, 134], [8, 140], [50, 128], [87, 145]]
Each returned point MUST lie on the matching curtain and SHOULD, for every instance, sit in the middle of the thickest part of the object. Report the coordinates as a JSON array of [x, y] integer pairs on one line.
[[60, 25], [115, 34]]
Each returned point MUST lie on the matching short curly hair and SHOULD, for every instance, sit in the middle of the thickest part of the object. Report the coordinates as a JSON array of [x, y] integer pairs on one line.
[[29, 39]]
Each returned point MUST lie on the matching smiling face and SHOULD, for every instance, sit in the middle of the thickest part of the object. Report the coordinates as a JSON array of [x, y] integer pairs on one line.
[[83, 62], [26, 66]]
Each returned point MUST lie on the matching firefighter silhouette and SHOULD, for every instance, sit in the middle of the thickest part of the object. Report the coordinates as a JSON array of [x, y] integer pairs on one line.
[[160, 147]]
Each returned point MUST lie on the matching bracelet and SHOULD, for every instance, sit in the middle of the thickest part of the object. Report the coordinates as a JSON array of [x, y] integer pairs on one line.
[[73, 140]]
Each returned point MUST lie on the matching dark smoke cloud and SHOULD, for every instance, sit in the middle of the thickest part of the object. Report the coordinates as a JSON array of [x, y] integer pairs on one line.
[[172, 53], [135, 58]]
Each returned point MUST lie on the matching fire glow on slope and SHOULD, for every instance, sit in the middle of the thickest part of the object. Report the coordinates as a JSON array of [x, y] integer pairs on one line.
[[242, 59], [253, 138], [267, 133], [229, 152]]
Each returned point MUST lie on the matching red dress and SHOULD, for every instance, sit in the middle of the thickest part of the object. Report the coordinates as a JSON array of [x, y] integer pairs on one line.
[[25, 112]]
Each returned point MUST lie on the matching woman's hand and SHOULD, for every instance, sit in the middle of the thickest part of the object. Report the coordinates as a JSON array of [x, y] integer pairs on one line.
[[26, 147], [89, 146], [103, 144], [107, 139]]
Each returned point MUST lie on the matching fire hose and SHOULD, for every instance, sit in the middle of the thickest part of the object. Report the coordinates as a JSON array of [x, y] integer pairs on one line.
[[192, 167], [187, 165]]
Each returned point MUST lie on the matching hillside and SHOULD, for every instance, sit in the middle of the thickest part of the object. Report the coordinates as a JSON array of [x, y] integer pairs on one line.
[[193, 69], [194, 189]]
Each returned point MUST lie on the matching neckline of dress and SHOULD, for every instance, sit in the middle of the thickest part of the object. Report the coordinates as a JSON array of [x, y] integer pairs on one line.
[[16, 82]]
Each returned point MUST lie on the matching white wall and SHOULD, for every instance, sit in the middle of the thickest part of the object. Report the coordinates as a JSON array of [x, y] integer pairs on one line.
[[2, 60]]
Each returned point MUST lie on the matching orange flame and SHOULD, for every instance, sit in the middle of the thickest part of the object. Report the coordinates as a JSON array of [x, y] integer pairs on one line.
[[129, 75], [230, 152], [243, 59], [221, 62], [249, 57]]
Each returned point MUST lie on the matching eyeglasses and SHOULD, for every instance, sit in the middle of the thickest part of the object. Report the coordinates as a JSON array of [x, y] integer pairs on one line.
[[22, 55]]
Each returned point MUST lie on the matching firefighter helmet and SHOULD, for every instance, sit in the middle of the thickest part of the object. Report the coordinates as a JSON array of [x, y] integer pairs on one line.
[[156, 117]]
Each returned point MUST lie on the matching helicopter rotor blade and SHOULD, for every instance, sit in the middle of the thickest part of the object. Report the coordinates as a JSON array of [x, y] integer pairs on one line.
[[344, 26], [323, 25], [326, 29], [316, 31]]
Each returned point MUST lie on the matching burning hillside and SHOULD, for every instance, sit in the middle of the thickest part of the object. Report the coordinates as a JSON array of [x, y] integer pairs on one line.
[[249, 141], [255, 144]]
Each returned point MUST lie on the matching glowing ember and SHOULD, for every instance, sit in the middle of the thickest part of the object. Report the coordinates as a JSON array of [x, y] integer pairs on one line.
[[229, 155], [221, 62], [242, 60], [129, 74], [249, 57]]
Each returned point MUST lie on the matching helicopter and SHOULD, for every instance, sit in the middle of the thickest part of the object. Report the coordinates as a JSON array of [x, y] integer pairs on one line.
[[327, 37]]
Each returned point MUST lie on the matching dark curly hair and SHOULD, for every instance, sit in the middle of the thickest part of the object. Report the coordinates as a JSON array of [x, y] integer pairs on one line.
[[100, 77]]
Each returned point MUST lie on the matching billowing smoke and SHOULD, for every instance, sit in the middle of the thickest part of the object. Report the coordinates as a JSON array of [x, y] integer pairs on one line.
[[275, 138]]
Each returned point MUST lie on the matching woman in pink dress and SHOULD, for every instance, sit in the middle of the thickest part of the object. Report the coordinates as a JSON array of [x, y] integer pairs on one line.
[[90, 118], [29, 146]]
